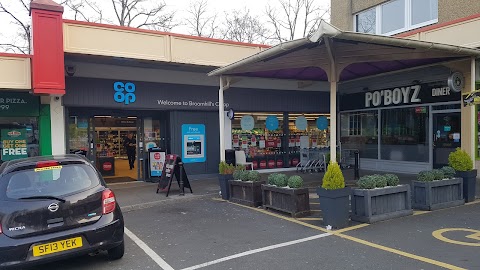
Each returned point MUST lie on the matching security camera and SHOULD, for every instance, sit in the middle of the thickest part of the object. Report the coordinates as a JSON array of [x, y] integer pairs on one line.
[[57, 98], [70, 70]]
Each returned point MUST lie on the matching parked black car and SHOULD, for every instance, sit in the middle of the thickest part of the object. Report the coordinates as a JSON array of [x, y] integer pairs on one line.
[[56, 207]]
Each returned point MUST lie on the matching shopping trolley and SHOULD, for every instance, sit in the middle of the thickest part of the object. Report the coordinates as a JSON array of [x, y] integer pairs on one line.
[[312, 160]]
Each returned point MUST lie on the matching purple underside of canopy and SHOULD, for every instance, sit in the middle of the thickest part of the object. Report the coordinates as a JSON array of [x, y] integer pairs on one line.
[[353, 71]]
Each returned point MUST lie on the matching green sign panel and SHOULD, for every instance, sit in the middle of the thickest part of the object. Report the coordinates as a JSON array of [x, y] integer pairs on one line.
[[18, 104], [14, 144]]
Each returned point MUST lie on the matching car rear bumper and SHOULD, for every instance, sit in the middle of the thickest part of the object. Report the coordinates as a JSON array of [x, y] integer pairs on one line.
[[105, 234]]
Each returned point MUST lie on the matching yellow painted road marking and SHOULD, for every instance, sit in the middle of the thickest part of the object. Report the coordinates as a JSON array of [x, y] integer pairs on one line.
[[476, 236], [360, 241], [314, 203], [474, 202], [351, 228], [416, 213], [310, 218], [401, 253]]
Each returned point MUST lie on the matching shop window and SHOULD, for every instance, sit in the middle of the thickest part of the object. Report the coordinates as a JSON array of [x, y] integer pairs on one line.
[[78, 135], [360, 131], [18, 137], [404, 134], [152, 133], [355, 125]]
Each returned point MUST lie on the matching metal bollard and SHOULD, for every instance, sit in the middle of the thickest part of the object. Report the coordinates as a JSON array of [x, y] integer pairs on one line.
[[357, 165], [180, 181]]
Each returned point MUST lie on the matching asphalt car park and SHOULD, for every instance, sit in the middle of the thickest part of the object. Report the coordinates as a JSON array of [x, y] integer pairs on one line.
[[204, 232]]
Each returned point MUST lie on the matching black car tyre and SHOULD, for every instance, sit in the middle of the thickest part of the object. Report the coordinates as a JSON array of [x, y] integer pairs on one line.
[[116, 252]]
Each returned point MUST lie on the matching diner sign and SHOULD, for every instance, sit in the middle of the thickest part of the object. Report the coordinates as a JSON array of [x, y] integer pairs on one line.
[[398, 96]]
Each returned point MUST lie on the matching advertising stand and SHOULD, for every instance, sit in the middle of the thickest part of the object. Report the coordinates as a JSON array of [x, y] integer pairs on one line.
[[156, 161]]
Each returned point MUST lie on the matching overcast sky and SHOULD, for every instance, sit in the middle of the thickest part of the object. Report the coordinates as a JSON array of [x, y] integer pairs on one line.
[[257, 7]]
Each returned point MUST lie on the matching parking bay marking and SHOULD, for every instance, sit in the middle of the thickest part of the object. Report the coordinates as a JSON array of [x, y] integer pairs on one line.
[[339, 233], [475, 236], [250, 252], [157, 259]]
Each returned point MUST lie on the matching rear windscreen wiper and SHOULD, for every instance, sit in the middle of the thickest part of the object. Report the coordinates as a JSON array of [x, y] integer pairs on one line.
[[43, 197]]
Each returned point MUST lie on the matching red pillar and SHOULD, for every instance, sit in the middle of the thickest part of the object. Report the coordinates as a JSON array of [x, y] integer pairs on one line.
[[48, 56]]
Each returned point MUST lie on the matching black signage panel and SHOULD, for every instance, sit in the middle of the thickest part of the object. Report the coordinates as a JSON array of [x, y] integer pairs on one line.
[[398, 96], [172, 168]]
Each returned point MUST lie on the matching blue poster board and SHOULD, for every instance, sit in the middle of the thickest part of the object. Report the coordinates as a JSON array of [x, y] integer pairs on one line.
[[193, 143]]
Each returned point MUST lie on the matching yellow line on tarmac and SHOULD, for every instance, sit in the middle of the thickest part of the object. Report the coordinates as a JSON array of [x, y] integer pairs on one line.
[[314, 203], [474, 202], [339, 233], [416, 213], [401, 253], [351, 228], [310, 218]]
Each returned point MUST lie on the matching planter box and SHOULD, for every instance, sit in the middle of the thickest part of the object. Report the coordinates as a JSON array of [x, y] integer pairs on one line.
[[293, 201], [246, 193], [437, 194], [223, 183], [469, 184], [335, 206], [373, 205]]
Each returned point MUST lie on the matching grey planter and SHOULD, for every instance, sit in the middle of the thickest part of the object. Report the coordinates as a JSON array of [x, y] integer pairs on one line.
[[335, 206], [293, 201], [373, 205], [469, 184], [246, 193], [437, 194], [224, 187]]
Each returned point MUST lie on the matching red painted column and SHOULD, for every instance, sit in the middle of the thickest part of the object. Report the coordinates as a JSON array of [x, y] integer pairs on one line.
[[48, 56]]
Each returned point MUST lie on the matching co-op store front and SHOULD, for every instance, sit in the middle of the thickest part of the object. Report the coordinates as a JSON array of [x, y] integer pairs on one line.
[[101, 112]]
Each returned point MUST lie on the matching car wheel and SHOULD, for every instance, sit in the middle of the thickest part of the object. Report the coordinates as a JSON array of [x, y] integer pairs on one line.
[[116, 252]]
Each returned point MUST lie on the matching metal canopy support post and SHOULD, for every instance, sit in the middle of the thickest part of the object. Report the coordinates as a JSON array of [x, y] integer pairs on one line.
[[333, 79], [333, 121], [221, 118], [473, 117]]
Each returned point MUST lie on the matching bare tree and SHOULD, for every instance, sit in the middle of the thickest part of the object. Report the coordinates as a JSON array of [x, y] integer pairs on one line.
[[241, 26], [22, 43], [86, 10], [142, 13], [199, 21], [295, 17]]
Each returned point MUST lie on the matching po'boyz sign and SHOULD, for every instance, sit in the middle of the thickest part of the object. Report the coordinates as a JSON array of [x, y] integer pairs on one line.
[[398, 96]]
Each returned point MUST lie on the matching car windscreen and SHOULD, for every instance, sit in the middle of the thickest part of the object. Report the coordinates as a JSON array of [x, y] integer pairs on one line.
[[54, 181]]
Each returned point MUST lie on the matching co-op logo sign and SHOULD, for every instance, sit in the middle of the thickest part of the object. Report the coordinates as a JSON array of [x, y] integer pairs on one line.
[[124, 92]]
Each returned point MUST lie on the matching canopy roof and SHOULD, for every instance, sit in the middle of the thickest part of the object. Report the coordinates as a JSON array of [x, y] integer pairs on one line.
[[331, 54]]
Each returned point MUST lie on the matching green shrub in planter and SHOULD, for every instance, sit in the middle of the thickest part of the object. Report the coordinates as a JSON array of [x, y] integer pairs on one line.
[[438, 174], [380, 180], [281, 180], [366, 182], [295, 181], [253, 176], [333, 178], [460, 160], [244, 176], [448, 171], [392, 180], [271, 178], [237, 174], [425, 176]]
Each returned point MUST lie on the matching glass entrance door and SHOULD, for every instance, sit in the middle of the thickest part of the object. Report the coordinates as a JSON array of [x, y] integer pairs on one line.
[[446, 136]]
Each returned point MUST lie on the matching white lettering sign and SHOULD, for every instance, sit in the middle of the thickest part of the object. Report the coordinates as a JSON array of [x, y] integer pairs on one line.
[[396, 96], [189, 103]]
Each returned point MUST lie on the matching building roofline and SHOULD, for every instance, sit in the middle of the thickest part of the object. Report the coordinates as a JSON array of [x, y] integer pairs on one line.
[[18, 55], [132, 29], [438, 25]]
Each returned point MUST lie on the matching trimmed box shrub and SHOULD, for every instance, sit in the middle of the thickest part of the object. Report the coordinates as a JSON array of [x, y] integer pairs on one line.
[[293, 200]]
